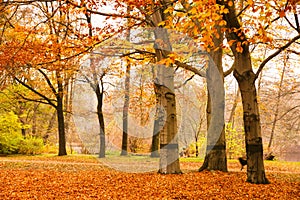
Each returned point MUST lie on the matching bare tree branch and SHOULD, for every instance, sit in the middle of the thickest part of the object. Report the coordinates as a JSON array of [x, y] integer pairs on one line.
[[262, 65], [190, 68], [50, 101]]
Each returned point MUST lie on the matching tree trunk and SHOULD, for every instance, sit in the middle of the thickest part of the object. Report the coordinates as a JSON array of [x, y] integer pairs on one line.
[[215, 158], [165, 98], [277, 107], [60, 118], [99, 94], [253, 139], [169, 155], [245, 77], [155, 137], [124, 151], [232, 112]]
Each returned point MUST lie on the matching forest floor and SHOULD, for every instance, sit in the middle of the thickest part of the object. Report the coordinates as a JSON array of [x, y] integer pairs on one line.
[[86, 177]]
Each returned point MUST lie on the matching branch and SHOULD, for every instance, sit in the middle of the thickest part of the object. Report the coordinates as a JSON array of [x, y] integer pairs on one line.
[[284, 114], [226, 73], [185, 82], [22, 2], [33, 100], [190, 68], [48, 81], [294, 52], [36, 92], [275, 54], [242, 11], [104, 14], [297, 22]]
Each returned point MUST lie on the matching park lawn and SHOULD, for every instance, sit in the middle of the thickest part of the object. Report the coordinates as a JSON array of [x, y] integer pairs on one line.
[[86, 177]]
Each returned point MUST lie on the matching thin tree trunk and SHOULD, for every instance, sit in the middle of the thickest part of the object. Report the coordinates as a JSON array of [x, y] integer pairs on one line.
[[99, 93], [34, 119], [277, 107], [124, 151], [232, 112], [98, 88], [60, 117]]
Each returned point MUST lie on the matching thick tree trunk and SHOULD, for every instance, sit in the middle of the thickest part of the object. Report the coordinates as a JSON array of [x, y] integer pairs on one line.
[[245, 77], [124, 151], [60, 118], [169, 155], [164, 89], [253, 139], [215, 158], [99, 93], [155, 137]]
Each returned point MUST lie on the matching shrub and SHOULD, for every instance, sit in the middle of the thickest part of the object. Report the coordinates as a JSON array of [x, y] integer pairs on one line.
[[10, 133], [12, 140], [31, 145]]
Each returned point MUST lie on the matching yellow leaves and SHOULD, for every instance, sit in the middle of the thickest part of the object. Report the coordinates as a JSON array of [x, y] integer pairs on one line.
[[239, 45], [161, 24], [193, 11], [222, 23], [169, 10], [230, 42], [250, 2], [169, 60]]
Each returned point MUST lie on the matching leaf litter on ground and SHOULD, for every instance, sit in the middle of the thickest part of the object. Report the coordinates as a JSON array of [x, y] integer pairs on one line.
[[80, 177]]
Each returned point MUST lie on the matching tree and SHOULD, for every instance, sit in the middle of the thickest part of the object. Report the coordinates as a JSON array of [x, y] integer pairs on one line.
[[165, 96], [215, 158], [35, 59], [243, 72], [97, 84]]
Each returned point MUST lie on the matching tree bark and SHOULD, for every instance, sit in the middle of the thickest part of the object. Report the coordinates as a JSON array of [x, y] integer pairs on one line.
[[169, 155], [253, 139], [124, 151], [165, 97], [243, 73], [215, 158], [155, 136], [99, 94], [277, 107], [60, 117]]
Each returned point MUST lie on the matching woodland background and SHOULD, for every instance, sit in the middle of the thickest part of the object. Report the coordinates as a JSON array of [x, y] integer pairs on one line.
[[72, 71]]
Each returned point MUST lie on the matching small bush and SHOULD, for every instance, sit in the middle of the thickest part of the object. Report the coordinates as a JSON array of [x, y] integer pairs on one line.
[[31, 146], [10, 133]]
